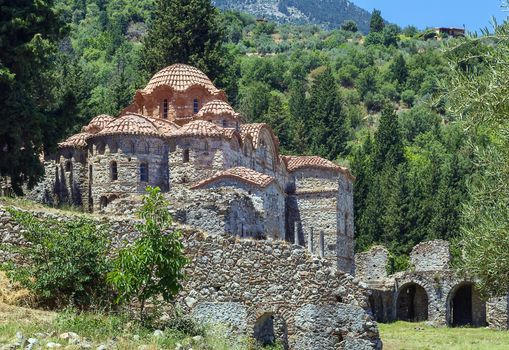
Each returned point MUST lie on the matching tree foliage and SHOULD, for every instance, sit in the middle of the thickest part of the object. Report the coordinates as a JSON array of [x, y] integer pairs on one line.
[[153, 264], [477, 93], [376, 23], [65, 261]]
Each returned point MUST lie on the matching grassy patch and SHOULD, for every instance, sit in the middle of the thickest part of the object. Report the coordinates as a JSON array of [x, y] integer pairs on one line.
[[418, 336], [116, 331]]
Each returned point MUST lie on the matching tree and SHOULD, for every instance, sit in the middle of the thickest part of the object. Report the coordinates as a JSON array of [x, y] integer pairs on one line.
[[398, 70], [30, 112], [186, 31], [376, 23], [479, 98], [327, 120], [277, 117], [388, 143], [350, 26], [298, 107], [153, 265]]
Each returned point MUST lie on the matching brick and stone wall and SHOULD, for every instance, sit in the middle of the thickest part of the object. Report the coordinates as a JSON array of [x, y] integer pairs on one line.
[[371, 265], [431, 256], [257, 285]]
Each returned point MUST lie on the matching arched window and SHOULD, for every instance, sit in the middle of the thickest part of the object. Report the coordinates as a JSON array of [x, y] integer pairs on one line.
[[196, 106], [113, 171], [114, 147], [165, 109], [185, 156], [144, 172], [225, 123], [68, 166], [101, 148]]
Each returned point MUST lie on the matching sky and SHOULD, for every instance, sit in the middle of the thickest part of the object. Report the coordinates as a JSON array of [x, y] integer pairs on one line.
[[474, 14]]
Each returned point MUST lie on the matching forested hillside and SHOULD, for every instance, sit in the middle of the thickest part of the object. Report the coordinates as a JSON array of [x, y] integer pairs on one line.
[[368, 102], [329, 14]]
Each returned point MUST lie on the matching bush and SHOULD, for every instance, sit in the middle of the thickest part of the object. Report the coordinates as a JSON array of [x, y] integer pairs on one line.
[[153, 265], [65, 262], [374, 102], [408, 97]]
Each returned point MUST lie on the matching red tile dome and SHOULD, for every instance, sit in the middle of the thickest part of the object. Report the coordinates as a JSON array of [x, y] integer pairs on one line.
[[180, 77], [131, 124]]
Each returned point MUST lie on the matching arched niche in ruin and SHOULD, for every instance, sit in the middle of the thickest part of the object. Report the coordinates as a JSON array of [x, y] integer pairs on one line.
[[270, 329], [465, 307], [412, 303]]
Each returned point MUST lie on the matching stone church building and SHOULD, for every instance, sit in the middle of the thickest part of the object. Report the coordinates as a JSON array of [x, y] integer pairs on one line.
[[181, 135]]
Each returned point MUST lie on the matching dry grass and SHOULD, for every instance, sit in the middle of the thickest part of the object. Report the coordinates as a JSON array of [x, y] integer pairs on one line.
[[418, 336], [13, 294]]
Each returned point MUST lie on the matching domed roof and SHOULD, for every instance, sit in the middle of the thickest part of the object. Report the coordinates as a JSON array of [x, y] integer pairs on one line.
[[130, 124], [180, 77], [164, 126], [98, 123], [217, 108], [75, 141], [199, 128]]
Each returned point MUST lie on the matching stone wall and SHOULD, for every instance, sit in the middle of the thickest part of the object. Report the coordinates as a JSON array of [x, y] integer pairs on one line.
[[323, 202], [372, 264], [128, 152], [242, 282], [431, 256]]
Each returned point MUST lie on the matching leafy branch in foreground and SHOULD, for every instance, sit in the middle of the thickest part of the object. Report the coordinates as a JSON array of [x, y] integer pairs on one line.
[[153, 264], [478, 93]]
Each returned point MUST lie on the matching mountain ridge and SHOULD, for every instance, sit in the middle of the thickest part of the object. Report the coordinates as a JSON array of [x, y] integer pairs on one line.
[[329, 14]]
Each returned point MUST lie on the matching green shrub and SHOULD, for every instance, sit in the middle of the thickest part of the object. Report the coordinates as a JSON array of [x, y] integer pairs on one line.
[[408, 97], [153, 264], [64, 262]]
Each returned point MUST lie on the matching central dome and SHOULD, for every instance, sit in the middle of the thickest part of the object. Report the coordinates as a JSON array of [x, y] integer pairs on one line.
[[180, 77]]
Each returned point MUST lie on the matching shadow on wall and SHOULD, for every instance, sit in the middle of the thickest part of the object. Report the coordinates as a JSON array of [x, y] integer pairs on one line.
[[271, 329], [465, 307], [412, 303]]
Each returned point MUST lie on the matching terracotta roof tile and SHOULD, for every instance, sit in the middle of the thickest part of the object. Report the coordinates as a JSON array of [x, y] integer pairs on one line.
[[180, 77], [217, 108], [98, 123], [165, 127], [131, 124], [76, 141], [243, 174], [199, 128], [298, 162]]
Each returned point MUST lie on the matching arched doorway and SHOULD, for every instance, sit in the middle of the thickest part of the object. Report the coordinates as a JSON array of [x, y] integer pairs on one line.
[[264, 333], [466, 307], [270, 329], [412, 303]]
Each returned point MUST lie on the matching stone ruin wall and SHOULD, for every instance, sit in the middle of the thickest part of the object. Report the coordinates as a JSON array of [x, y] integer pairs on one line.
[[435, 283], [244, 282], [315, 193]]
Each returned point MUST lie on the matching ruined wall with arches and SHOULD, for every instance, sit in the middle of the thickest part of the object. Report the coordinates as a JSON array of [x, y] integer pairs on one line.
[[429, 291]]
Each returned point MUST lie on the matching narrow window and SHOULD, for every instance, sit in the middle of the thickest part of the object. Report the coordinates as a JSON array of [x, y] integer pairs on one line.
[[133, 148], [165, 109], [185, 156], [143, 172], [195, 106], [68, 166], [225, 123], [113, 171]]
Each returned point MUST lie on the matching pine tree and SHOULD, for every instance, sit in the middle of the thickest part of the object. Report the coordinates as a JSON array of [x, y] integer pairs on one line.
[[327, 121], [398, 69], [185, 31], [388, 142], [277, 117], [29, 113], [376, 23], [298, 107]]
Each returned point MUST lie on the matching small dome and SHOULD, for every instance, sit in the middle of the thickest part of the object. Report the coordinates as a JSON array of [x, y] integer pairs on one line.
[[180, 77], [98, 123], [130, 124], [199, 128], [217, 108], [75, 141], [165, 127]]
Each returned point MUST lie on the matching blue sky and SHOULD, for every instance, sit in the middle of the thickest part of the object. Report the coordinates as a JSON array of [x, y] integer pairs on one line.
[[474, 14]]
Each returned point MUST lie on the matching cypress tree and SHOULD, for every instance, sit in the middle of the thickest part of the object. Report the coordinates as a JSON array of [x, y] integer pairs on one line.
[[277, 118], [327, 118], [298, 108], [376, 23], [388, 143], [185, 31]]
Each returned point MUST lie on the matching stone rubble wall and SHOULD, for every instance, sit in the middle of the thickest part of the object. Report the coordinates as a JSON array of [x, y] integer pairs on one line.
[[240, 280], [431, 256], [371, 265]]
